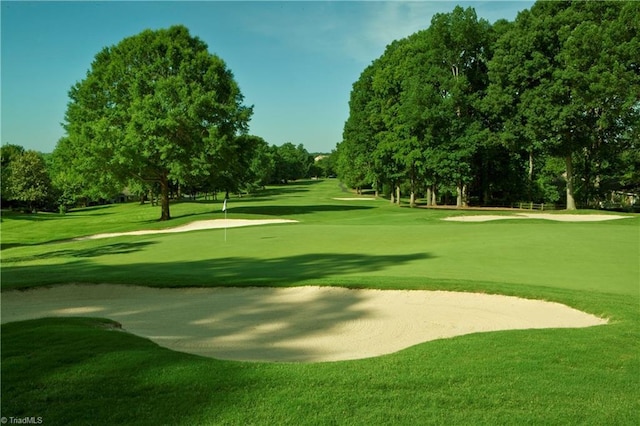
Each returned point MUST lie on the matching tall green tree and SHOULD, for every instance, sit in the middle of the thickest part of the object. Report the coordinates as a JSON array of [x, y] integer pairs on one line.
[[461, 47], [159, 107], [355, 162]]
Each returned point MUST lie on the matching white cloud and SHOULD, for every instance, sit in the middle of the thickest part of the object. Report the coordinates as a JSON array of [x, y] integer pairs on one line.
[[357, 30], [384, 22]]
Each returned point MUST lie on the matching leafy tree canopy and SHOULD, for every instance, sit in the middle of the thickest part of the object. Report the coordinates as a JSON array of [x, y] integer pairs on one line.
[[28, 179], [157, 106]]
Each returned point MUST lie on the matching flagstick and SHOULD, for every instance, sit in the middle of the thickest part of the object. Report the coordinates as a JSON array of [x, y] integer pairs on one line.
[[224, 209]]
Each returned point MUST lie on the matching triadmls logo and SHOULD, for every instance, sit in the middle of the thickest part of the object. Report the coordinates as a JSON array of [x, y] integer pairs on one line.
[[28, 420]]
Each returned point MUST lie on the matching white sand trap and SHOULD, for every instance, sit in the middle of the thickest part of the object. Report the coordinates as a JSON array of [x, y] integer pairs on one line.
[[300, 324], [546, 216], [193, 226]]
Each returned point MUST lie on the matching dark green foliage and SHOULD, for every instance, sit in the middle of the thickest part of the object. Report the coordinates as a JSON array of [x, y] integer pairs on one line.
[[8, 154], [291, 162], [415, 112], [262, 165], [26, 178], [477, 109], [562, 80]]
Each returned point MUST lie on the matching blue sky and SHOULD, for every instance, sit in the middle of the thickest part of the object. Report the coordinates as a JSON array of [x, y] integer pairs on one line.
[[295, 61]]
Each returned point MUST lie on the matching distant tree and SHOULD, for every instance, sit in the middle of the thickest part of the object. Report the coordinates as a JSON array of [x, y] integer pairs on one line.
[[291, 162], [234, 172], [262, 167], [8, 154], [29, 181], [159, 107], [325, 165], [77, 179]]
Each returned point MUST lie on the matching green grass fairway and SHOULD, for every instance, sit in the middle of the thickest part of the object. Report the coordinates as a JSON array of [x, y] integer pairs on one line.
[[81, 371]]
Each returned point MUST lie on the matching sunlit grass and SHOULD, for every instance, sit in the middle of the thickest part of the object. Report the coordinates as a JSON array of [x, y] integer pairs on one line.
[[82, 371]]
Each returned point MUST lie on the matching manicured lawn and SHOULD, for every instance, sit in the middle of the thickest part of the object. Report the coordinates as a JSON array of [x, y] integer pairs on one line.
[[79, 371]]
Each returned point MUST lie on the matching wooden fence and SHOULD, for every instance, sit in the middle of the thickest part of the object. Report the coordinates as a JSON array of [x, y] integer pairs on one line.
[[535, 206]]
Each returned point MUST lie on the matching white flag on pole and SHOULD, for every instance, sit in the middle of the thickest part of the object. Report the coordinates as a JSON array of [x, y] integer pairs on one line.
[[224, 205]]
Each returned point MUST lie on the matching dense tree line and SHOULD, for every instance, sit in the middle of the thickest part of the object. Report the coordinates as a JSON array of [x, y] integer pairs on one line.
[[494, 114], [34, 181]]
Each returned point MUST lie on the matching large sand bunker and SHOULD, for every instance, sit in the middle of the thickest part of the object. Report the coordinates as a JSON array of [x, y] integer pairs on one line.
[[299, 324]]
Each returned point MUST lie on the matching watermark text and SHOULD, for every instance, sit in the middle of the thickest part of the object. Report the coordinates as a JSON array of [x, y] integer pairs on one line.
[[24, 420]]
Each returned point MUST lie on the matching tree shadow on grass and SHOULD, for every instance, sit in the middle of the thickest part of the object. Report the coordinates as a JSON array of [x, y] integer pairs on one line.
[[292, 269], [5, 246], [79, 371], [272, 210], [228, 271], [43, 216], [108, 249]]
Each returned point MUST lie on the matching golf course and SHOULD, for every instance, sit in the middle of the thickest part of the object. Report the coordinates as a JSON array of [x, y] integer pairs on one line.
[[318, 264]]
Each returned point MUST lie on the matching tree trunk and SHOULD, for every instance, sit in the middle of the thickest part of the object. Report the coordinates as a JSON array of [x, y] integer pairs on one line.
[[398, 194], [412, 195], [530, 176], [393, 195], [429, 200], [465, 195], [434, 195], [571, 202], [598, 171], [461, 195], [164, 186], [530, 166]]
